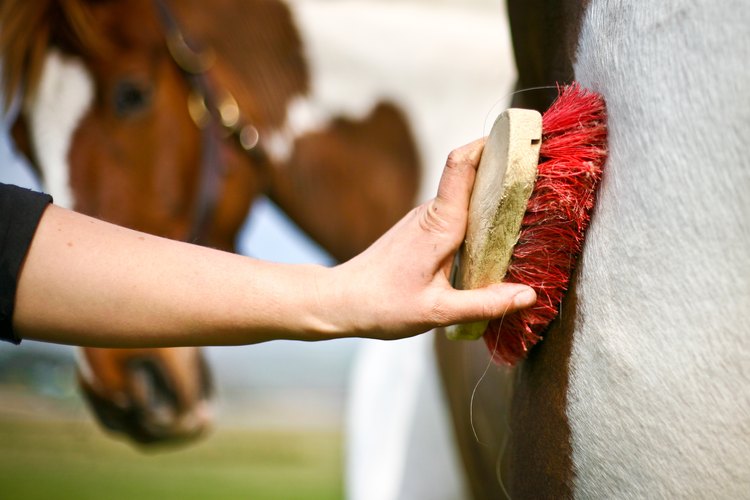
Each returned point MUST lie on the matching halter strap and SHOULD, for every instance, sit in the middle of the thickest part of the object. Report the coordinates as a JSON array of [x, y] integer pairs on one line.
[[216, 113]]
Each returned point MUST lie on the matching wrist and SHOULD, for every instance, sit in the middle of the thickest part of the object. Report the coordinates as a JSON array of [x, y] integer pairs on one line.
[[326, 301]]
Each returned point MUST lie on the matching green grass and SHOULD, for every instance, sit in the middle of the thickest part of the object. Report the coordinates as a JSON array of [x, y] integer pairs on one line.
[[52, 459]]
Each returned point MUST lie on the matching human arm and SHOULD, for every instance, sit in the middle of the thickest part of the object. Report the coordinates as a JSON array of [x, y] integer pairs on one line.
[[87, 282]]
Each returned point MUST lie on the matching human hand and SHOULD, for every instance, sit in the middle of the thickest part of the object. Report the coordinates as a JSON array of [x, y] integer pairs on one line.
[[399, 287]]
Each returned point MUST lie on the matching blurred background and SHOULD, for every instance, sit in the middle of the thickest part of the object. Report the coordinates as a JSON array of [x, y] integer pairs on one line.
[[280, 405]]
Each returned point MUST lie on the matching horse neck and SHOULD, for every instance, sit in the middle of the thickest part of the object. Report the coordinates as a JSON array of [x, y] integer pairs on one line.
[[258, 53], [659, 354]]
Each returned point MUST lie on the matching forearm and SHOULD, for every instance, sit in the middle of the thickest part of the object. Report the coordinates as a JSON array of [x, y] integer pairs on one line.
[[86, 282]]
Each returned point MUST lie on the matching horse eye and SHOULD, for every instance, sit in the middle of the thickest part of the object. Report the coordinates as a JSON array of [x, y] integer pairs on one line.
[[130, 98]]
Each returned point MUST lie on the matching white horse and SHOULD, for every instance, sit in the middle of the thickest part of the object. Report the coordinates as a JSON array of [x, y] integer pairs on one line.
[[659, 396]]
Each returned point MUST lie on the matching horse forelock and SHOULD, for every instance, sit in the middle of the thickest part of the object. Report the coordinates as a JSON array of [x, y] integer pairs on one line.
[[29, 29], [38, 41]]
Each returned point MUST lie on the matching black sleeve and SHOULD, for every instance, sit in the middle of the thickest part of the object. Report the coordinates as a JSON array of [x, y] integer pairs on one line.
[[20, 211]]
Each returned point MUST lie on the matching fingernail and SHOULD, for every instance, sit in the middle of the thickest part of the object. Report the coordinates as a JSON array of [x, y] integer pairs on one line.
[[525, 298]]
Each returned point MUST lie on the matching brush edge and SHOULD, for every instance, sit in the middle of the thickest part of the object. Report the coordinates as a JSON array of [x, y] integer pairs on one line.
[[505, 179]]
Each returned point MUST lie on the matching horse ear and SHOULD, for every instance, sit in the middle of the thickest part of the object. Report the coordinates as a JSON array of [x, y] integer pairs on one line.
[[30, 28]]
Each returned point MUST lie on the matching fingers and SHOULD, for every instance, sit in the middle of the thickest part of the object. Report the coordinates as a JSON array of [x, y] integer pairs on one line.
[[487, 303], [457, 180]]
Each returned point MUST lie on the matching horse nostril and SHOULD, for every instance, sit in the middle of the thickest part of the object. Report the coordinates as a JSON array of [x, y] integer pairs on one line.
[[151, 391], [150, 409], [109, 410], [206, 380]]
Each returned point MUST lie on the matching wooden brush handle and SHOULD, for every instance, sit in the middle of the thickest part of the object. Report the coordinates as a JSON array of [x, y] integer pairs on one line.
[[503, 185]]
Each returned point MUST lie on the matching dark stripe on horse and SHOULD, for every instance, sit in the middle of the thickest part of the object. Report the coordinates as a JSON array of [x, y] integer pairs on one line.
[[539, 442], [545, 40], [526, 454]]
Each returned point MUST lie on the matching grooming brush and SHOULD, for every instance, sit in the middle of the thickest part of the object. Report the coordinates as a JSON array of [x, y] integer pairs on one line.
[[531, 203]]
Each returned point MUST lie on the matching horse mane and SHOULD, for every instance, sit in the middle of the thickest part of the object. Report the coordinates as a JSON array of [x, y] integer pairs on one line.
[[29, 28]]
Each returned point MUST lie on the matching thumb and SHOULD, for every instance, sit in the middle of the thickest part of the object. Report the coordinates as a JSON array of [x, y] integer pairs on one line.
[[488, 303], [457, 180]]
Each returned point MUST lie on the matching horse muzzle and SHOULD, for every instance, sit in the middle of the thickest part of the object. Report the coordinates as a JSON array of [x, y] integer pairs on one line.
[[153, 408]]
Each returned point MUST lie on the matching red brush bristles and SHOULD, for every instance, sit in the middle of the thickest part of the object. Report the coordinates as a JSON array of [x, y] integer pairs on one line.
[[573, 151]]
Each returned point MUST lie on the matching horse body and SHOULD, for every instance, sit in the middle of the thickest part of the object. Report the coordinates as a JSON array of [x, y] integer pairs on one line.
[[660, 353]]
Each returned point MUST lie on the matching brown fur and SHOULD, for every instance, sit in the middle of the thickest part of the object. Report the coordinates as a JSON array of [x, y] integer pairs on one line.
[[542, 466], [545, 38], [338, 171], [539, 443], [30, 27], [260, 58]]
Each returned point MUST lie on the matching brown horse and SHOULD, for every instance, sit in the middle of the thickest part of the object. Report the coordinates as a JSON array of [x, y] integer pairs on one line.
[[146, 113], [640, 389]]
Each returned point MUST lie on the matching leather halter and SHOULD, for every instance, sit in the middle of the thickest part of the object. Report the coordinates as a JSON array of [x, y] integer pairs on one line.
[[216, 113]]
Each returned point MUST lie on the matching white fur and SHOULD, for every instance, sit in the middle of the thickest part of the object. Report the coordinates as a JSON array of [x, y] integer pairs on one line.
[[448, 67], [659, 395], [303, 115], [65, 93], [84, 368]]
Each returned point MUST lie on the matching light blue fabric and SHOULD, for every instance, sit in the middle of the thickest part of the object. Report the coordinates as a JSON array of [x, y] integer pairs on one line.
[[14, 168]]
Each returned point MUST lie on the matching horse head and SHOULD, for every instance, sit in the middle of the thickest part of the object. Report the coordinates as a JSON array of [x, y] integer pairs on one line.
[[106, 119], [105, 123]]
